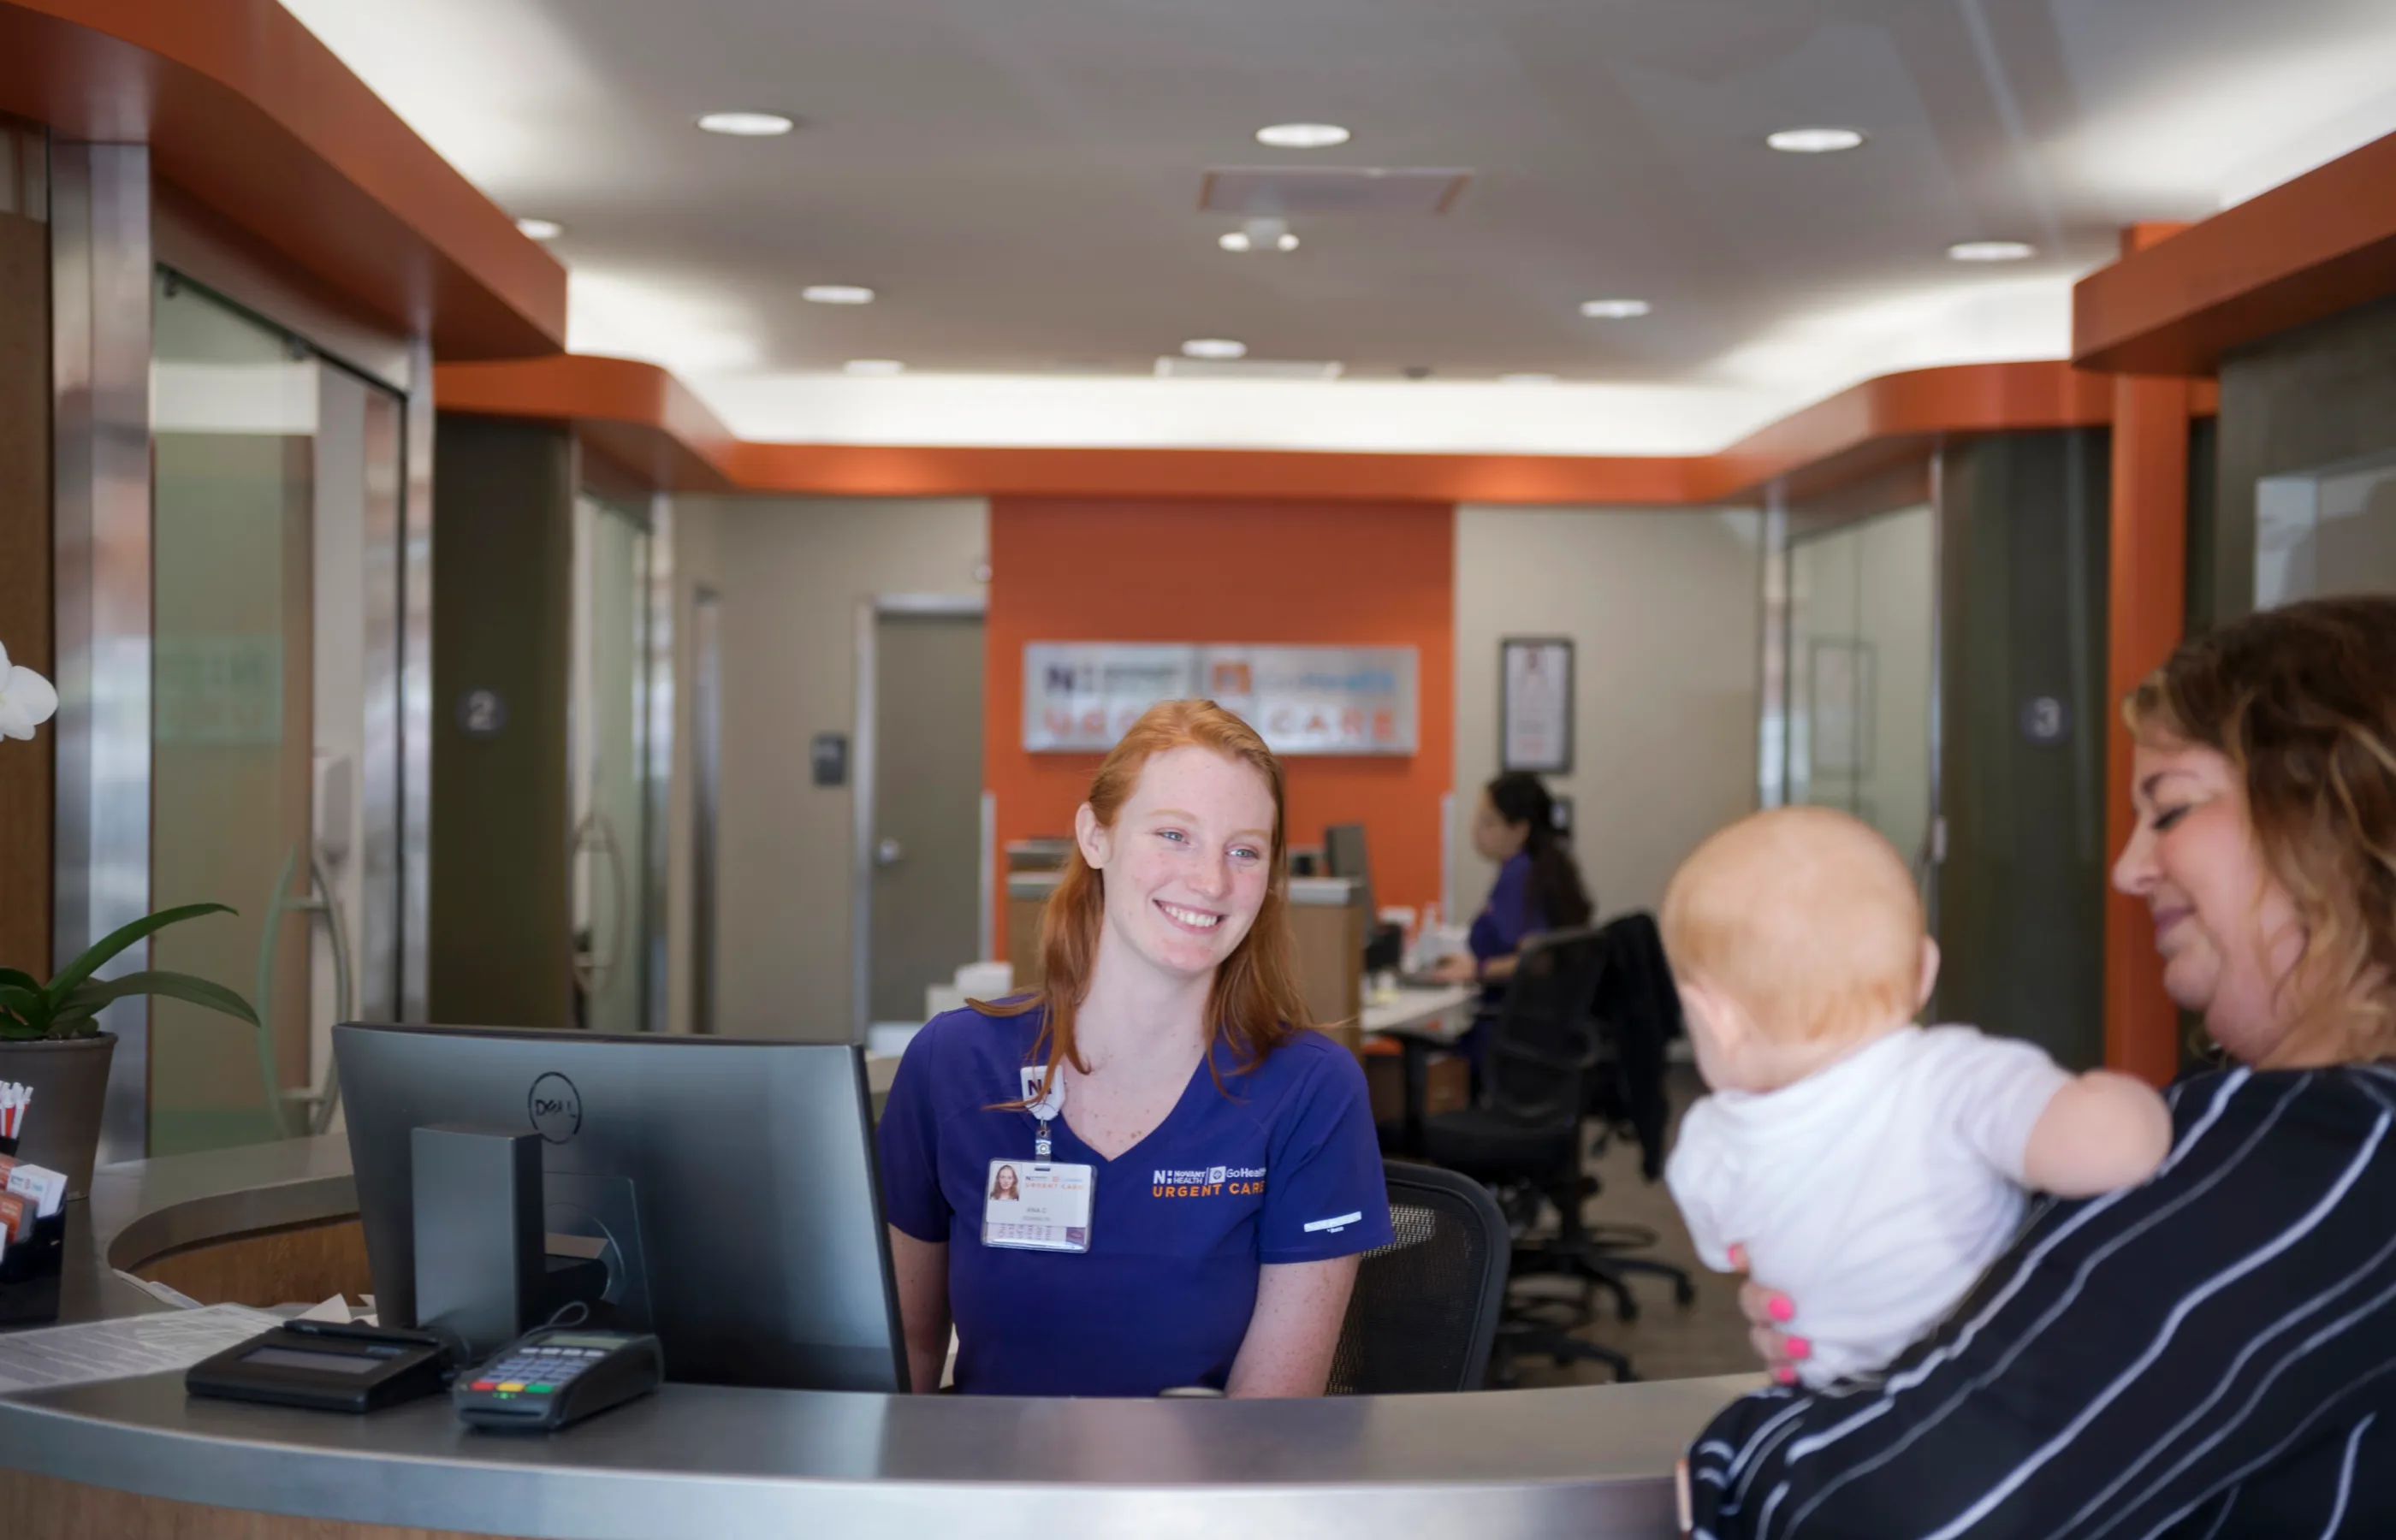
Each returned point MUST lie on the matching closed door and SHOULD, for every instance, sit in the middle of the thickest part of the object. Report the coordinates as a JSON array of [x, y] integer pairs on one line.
[[927, 915]]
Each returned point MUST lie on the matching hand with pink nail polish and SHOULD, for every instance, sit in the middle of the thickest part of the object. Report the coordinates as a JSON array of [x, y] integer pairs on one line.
[[1768, 1312]]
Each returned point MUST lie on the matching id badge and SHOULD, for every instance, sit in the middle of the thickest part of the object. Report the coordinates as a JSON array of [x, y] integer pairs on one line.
[[1031, 1206]]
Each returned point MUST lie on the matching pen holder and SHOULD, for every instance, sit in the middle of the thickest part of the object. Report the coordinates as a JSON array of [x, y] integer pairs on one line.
[[30, 1269]]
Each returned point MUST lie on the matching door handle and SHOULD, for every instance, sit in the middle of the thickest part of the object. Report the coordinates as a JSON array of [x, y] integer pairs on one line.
[[889, 852]]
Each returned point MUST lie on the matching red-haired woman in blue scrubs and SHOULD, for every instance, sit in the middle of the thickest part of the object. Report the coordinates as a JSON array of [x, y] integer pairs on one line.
[[1196, 1172]]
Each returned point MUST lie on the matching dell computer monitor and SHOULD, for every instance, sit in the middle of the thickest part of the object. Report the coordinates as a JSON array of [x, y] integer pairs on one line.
[[1343, 854], [729, 1187]]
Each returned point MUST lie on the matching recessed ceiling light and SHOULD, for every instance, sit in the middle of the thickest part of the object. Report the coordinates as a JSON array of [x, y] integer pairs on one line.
[[747, 124], [1237, 240], [1814, 141], [1991, 251], [539, 230], [873, 366], [1302, 136], [1214, 347], [1614, 309], [837, 294], [1527, 379]]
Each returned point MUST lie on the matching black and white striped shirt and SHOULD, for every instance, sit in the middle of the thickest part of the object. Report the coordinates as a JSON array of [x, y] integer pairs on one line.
[[2210, 1355]]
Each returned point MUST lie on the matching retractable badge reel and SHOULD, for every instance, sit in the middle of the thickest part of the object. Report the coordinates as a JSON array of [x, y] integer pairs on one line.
[[1039, 1204]]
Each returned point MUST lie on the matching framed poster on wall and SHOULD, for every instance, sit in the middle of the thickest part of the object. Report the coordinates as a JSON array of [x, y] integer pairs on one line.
[[1535, 713]]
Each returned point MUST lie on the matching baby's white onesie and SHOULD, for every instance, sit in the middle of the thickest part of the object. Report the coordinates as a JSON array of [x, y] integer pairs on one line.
[[1874, 1192]]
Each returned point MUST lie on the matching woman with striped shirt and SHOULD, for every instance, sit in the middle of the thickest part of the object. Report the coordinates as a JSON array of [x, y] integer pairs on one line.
[[2211, 1354]]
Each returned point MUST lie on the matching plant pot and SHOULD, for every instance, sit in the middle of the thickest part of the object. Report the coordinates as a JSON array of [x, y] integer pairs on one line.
[[70, 1080]]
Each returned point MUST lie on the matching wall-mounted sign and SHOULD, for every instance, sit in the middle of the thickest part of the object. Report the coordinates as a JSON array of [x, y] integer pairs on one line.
[[482, 713], [1534, 726], [827, 759], [1083, 695], [2045, 719]]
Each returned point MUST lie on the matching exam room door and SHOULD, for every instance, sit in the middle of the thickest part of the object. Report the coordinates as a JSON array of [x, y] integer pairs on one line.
[[927, 857]]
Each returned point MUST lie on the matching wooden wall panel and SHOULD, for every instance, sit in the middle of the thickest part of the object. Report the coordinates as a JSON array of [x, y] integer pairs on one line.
[[43, 1508], [26, 769], [278, 1266]]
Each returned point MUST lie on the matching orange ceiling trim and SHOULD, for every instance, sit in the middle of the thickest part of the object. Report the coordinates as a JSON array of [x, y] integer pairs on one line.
[[873, 470], [648, 421], [2308, 248], [246, 111], [643, 417]]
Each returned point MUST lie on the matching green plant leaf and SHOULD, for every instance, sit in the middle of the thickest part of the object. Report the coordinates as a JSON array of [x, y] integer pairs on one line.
[[20, 979], [27, 1005], [14, 1030], [109, 946], [96, 994]]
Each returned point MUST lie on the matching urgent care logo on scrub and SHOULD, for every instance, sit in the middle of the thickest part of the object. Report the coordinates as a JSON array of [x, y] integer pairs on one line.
[[1208, 1183]]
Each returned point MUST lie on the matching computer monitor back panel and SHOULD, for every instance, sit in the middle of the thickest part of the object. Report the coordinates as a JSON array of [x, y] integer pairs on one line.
[[733, 1184], [1344, 852]]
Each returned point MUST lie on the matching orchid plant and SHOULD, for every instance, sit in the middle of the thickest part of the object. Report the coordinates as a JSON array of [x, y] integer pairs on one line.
[[26, 700], [69, 1006]]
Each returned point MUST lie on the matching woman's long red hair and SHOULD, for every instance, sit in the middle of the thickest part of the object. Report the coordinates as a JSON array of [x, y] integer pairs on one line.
[[1254, 1002]]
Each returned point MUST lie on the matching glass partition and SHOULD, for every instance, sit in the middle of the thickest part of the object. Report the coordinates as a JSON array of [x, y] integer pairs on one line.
[[2326, 532], [611, 768], [269, 465], [1858, 666], [234, 405]]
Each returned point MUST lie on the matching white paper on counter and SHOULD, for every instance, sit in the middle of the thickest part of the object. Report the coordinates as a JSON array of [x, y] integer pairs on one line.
[[52, 1356]]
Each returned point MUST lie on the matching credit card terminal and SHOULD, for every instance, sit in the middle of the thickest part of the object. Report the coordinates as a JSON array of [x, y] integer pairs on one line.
[[550, 1377]]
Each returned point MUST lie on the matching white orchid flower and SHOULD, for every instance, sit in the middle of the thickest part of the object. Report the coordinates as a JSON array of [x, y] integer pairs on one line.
[[26, 699]]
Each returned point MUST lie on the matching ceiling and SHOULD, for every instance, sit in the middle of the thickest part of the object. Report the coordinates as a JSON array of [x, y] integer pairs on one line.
[[1019, 180]]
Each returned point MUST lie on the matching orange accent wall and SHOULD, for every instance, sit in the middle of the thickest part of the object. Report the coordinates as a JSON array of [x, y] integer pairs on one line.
[[1273, 571]]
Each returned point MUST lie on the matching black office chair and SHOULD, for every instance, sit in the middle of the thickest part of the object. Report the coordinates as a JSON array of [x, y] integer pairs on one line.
[[1425, 1306], [1524, 1134]]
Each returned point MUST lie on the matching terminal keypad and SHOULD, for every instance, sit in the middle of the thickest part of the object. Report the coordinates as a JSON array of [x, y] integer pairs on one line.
[[533, 1370]]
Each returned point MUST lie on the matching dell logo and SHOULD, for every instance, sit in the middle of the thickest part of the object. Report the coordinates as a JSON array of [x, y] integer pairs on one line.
[[556, 1108]]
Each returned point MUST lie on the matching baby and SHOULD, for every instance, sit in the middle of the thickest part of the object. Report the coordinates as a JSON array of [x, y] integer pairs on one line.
[[1869, 1168]]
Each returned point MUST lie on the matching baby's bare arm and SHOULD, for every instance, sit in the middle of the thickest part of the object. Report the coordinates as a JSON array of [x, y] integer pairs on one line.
[[2101, 1131]]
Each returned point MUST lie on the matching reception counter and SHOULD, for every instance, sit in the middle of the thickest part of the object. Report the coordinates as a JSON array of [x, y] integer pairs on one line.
[[135, 1456]]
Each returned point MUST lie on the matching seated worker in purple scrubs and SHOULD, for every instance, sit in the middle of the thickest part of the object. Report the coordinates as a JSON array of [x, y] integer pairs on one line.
[[1196, 1172], [1538, 888]]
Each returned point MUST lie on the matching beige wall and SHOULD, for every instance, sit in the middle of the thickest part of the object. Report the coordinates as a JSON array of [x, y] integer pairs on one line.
[[1662, 607], [790, 572]]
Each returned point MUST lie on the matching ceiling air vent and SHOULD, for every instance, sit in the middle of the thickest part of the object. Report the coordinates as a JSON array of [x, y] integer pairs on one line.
[[1331, 190], [1173, 367]]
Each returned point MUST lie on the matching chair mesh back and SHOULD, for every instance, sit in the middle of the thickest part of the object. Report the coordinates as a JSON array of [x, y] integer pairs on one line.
[[1425, 1309], [1543, 1028]]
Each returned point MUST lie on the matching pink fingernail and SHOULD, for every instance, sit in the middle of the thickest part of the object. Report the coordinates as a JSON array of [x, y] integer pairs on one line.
[[1781, 1310], [1798, 1347], [1785, 1375]]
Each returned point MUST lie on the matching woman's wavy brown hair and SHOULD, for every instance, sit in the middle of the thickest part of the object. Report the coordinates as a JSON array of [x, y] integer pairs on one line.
[[2302, 700], [1254, 1001]]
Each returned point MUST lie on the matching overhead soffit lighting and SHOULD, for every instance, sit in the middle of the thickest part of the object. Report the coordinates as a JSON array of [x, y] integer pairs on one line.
[[1214, 347], [873, 366], [1991, 251], [1814, 141], [1614, 309], [539, 230], [1527, 379], [837, 294], [1302, 136], [747, 124]]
